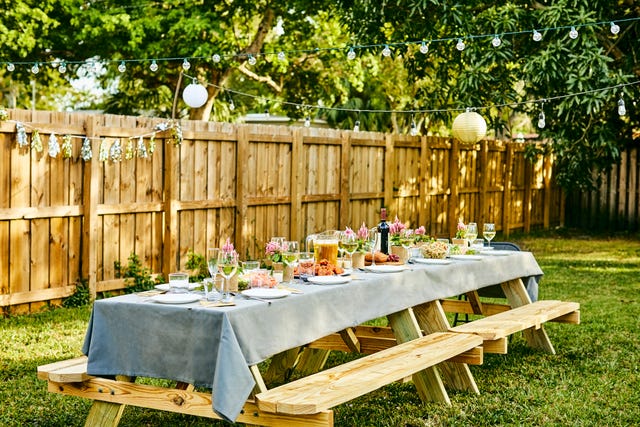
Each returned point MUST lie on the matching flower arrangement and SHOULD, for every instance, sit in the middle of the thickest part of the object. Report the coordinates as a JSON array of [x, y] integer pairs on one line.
[[273, 251], [228, 248], [363, 234], [395, 229], [461, 230], [420, 235]]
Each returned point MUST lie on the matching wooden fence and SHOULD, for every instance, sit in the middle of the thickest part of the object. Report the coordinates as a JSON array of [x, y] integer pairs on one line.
[[615, 204], [63, 220]]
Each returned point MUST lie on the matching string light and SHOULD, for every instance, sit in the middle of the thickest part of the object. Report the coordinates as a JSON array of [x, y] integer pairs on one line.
[[154, 66], [186, 64], [356, 127], [414, 127], [351, 55], [541, 119], [622, 110], [496, 42], [215, 58], [10, 67], [282, 56], [62, 68], [615, 28], [252, 60], [386, 52], [122, 67], [35, 69], [460, 45], [307, 121], [573, 33], [537, 36], [424, 48]]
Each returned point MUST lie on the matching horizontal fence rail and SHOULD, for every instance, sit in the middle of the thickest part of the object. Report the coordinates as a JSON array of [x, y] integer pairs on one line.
[[63, 220]]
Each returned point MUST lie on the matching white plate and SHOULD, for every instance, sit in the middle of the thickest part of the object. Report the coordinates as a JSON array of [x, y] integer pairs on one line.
[[496, 252], [329, 280], [385, 268], [431, 261], [466, 257], [165, 286], [175, 298], [266, 293]]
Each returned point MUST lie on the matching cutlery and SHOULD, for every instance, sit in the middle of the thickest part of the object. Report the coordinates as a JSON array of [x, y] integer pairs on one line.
[[252, 297]]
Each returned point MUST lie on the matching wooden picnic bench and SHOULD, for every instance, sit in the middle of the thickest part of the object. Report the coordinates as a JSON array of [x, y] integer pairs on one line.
[[305, 401]]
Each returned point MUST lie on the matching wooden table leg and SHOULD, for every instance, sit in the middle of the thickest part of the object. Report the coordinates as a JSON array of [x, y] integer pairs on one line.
[[281, 366], [107, 414], [427, 382], [517, 296], [431, 318]]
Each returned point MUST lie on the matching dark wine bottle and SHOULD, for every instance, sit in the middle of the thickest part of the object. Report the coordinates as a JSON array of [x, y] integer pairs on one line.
[[383, 229]]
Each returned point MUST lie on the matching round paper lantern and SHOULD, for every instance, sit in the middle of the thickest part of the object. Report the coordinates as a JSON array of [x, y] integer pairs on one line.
[[469, 127], [195, 95]]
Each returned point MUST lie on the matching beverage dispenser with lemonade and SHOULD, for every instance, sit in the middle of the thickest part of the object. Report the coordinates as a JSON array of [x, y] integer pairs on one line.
[[325, 246]]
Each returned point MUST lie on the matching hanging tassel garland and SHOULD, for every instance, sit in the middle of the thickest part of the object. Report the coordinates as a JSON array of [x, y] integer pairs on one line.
[[142, 149], [130, 151], [54, 146], [36, 141], [66, 147], [21, 135], [176, 134], [103, 154], [85, 151], [152, 144], [115, 152]]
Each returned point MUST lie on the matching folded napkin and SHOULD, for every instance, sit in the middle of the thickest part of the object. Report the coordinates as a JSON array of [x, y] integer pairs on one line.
[[292, 290], [216, 303], [150, 293]]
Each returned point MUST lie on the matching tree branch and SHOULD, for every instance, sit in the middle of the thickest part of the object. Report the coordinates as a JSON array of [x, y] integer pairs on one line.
[[262, 79]]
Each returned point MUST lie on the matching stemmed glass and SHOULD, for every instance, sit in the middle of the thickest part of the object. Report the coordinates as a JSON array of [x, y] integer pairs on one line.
[[212, 261], [227, 266], [407, 237], [349, 243], [291, 255], [372, 238], [472, 232], [489, 232]]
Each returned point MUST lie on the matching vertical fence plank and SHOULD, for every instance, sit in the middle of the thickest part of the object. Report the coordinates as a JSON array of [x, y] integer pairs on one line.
[[90, 212], [507, 193]]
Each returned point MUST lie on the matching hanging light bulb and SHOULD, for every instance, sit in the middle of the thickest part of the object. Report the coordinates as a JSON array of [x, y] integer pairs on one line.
[[424, 48], [232, 106], [386, 51], [195, 95], [122, 67], [622, 110], [62, 68], [10, 67], [460, 45], [35, 69], [252, 60], [414, 127], [186, 64], [154, 66], [541, 120], [351, 54], [356, 127], [496, 42], [307, 121], [537, 36], [282, 56], [573, 33], [615, 28], [215, 58]]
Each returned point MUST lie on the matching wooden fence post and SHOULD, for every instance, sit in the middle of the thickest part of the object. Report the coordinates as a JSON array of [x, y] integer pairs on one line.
[[242, 148], [546, 175], [506, 195], [171, 174], [345, 187], [90, 210], [526, 203], [297, 170], [484, 182], [454, 177], [388, 171], [424, 190]]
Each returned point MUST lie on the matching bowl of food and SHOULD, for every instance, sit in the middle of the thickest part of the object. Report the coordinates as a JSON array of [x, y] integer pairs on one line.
[[435, 250]]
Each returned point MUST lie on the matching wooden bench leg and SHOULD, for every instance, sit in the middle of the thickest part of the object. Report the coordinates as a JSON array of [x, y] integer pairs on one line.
[[104, 414], [517, 296], [427, 382], [281, 366], [312, 360], [432, 318]]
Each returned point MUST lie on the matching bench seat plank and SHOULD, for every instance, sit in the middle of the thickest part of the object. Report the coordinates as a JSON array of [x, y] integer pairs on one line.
[[527, 316], [65, 371], [342, 383]]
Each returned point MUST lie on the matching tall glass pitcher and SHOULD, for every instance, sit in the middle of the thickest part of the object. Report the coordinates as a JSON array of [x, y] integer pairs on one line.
[[325, 246]]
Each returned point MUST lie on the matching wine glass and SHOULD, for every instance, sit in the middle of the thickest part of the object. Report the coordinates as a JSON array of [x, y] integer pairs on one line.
[[212, 261], [349, 243], [372, 238], [489, 232], [227, 266], [472, 232], [407, 237], [290, 256]]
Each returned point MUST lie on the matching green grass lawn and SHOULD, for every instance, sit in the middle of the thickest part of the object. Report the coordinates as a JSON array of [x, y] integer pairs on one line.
[[593, 380]]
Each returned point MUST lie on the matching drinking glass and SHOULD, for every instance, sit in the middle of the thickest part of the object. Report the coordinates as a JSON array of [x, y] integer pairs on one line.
[[472, 232], [372, 239], [212, 261], [349, 242], [227, 266], [489, 232], [291, 255], [178, 282], [306, 265], [407, 237]]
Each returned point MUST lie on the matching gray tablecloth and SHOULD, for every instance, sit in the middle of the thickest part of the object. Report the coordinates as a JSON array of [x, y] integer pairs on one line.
[[214, 347]]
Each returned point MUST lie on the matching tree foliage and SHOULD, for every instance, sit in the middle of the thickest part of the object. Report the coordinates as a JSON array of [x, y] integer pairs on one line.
[[505, 83]]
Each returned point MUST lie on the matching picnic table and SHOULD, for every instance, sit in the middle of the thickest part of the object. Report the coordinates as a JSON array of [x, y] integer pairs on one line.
[[220, 347]]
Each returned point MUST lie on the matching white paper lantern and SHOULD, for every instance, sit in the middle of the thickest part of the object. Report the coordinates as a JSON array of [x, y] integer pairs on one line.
[[195, 95], [469, 127]]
